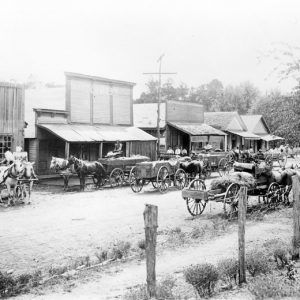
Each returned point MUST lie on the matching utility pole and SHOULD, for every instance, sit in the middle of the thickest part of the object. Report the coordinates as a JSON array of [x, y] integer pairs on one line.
[[159, 98]]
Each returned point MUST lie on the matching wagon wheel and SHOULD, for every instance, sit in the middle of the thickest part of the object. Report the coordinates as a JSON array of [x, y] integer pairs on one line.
[[230, 158], [136, 185], [223, 167], [132, 175], [116, 177], [273, 194], [180, 179], [230, 202], [163, 179], [196, 206]]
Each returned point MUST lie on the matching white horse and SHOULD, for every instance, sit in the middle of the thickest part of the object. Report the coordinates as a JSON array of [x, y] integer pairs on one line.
[[62, 166]]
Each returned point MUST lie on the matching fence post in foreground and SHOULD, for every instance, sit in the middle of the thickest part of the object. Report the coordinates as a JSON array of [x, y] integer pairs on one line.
[[242, 222], [296, 217], [150, 220]]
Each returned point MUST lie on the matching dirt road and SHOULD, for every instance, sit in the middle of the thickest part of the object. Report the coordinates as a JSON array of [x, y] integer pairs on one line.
[[60, 226]]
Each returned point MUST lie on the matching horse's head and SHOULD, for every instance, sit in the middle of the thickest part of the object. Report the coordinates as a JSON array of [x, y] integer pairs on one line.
[[28, 169], [17, 168], [72, 159], [53, 163]]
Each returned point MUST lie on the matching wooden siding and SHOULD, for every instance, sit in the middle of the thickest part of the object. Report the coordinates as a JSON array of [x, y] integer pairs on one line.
[[185, 112], [80, 100], [147, 148], [101, 103], [12, 113], [122, 105], [48, 117]]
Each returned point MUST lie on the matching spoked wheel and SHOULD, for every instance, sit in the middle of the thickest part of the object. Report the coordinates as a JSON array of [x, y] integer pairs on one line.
[[180, 179], [196, 206], [154, 184], [132, 175], [163, 179], [116, 177], [136, 185], [273, 194], [223, 167], [230, 203]]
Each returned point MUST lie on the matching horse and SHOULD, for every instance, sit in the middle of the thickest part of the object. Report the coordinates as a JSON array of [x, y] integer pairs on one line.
[[192, 168], [28, 175], [61, 165], [84, 168], [10, 178]]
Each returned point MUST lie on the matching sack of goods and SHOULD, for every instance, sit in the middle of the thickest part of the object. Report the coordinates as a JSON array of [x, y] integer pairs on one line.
[[241, 178]]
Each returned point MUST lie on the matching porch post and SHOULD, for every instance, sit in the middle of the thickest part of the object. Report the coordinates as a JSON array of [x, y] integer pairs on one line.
[[100, 150], [67, 149], [225, 143]]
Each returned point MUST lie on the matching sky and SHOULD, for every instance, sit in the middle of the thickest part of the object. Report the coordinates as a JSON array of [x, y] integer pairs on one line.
[[201, 40]]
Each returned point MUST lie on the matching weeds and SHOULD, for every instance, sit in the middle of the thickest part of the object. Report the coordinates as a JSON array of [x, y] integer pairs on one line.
[[120, 250], [102, 255], [142, 244], [228, 270], [203, 278], [257, 263]]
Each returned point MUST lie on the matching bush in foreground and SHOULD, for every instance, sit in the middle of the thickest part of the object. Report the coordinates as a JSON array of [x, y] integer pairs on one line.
[[228, 270], [203, 278], [273, 287], [257, 263]]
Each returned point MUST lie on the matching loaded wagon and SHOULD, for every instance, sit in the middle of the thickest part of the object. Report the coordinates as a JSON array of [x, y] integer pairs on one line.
[[161, 174], [259, 180]]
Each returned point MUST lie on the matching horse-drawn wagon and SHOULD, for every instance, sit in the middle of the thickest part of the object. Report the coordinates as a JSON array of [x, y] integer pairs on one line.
[[160, 173], [260, 179]]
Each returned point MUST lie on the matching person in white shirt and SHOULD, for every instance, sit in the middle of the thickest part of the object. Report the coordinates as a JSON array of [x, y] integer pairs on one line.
[[8, 157], [177, 150], [184, 152], [170, 150]]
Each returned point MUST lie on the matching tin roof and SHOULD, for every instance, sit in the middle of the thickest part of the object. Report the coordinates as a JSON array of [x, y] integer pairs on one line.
[[197, 129], [97, 133], [145, 115], [246, 134]]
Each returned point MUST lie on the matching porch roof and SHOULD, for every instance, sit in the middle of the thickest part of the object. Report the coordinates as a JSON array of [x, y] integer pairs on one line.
[[246, 135], [96, 133], [270, 137], [197, 129]]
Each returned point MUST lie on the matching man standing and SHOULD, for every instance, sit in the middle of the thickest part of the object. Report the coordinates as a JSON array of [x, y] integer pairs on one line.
[[177, 150]]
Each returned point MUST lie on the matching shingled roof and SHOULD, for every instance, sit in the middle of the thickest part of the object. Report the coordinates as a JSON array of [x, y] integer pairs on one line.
[[251, 122], [222, 120]]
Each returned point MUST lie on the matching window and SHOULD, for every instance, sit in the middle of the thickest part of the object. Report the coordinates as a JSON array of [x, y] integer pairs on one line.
[[5, 141]]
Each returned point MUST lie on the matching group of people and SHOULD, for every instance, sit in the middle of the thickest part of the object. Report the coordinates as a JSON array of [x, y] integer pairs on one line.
[[180, 151]]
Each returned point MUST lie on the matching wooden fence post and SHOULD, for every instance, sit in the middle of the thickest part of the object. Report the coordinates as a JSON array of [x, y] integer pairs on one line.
[[150, 220], [296, 217], [242, 223]]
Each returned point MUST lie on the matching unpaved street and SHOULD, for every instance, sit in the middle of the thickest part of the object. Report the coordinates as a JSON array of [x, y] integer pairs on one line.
[[60, 226]]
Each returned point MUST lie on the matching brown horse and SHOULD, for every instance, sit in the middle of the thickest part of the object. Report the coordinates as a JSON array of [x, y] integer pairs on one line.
[[84, 168]]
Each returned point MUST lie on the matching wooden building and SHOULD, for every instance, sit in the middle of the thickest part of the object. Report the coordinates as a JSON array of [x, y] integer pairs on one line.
[[257, 125], [232, 124], [98, 112], [185, 127], [11, 116]]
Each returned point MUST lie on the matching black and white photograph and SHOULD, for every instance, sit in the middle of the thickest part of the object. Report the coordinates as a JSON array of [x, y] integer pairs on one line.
[[149, 149]]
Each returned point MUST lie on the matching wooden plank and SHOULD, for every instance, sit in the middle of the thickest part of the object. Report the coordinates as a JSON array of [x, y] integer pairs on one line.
[[150, 221], [241, 233], [296, 217], [195, 194]]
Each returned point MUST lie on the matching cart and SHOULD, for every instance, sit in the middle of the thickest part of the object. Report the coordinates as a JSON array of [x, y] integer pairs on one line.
[[197, 196], [161, 174], [213, 160], [118, 169]]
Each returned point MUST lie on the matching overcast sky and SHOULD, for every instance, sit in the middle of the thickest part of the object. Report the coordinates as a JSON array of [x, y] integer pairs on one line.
[[201, 40]]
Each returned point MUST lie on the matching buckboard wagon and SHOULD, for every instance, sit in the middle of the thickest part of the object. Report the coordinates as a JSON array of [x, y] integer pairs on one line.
[[257, 182], [160, 173]]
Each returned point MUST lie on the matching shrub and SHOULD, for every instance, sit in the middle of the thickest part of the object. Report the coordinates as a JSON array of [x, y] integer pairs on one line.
[[272, 287], [142, 244], [7, 285], [101, 255], [257, 263], [120, 250], [163, 291], [57, 270], [197, 232], [203, 277], [228, 270]]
